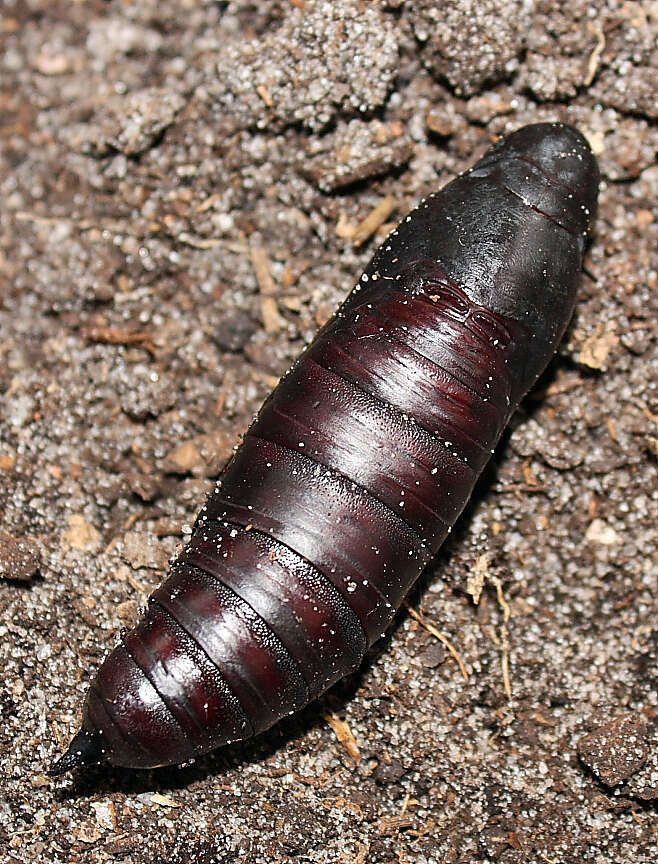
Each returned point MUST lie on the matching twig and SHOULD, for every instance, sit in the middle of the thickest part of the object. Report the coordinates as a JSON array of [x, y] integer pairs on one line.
[[344, 734], [120, 336], [593, 62], [438, 635], [272, 319], [377, 216], [504, 634]]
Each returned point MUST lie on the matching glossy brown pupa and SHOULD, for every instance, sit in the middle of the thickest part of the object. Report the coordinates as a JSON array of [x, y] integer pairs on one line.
[[357, 465]]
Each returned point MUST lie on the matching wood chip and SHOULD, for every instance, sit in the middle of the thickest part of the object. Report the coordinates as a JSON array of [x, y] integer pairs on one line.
[[266, 378], [208, 203], [394, 824], [120, 336], [164, 800], [265, 95], [612, 429], [596, 140], [138, 585], [294, 270], [597, 347], [339, 802], [477, 578], [377, 216], [292, 302], [272, 319], [344, 734], [344, 228], [81, 534], [594, 57], [199, 242]]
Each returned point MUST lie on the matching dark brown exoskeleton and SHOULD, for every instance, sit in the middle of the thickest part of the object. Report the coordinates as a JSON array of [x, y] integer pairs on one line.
[[357, 465]]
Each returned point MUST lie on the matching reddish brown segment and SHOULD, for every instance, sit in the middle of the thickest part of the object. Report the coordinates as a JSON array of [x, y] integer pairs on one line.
[[357, 465], [320, 631]]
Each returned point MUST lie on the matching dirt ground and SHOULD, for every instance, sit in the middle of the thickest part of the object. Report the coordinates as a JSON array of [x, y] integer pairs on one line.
[[180, 185]]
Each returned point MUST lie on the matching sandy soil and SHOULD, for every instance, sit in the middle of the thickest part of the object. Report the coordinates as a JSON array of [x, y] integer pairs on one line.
[[179, 187]]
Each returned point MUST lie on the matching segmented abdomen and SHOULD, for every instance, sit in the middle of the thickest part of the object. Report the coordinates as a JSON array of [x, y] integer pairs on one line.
[[357, 465], [344, 487]]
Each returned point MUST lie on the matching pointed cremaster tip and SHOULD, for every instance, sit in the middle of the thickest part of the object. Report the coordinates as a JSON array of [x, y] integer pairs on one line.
[[85, 749]]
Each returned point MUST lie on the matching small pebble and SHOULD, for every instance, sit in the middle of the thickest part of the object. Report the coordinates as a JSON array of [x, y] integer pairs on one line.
[[20, 558], [616, 751]]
